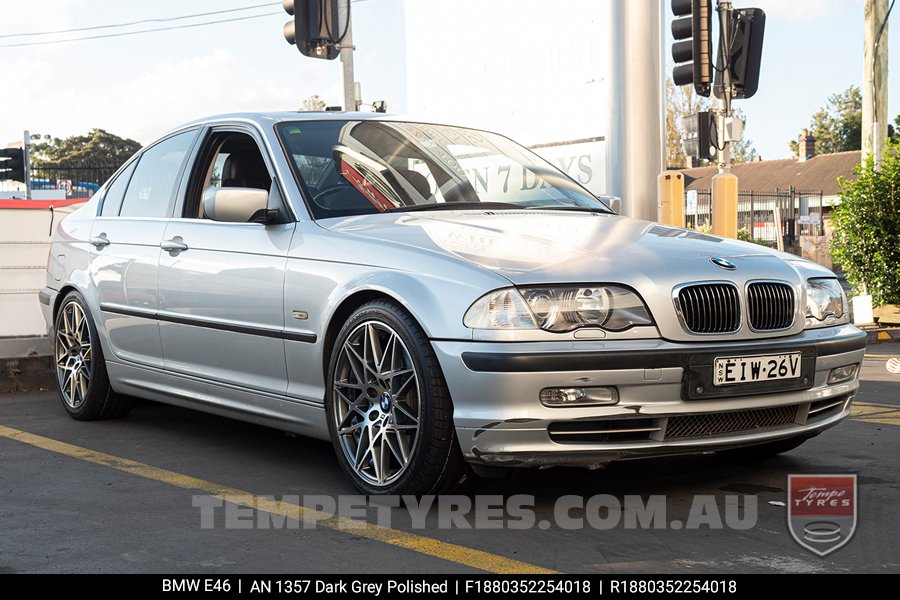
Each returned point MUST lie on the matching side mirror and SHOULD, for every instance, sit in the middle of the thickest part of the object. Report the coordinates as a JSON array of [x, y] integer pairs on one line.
[[614, 202], [236, 205]]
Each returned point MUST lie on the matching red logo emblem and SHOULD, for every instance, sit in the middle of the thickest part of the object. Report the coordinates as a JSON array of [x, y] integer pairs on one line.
[[822, 511]]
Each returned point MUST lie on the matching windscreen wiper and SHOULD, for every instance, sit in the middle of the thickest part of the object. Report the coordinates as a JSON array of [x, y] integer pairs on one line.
[[573, 208], [456, 206]]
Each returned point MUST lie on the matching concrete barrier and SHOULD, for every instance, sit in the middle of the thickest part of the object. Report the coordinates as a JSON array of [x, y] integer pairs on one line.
[[26, 227]]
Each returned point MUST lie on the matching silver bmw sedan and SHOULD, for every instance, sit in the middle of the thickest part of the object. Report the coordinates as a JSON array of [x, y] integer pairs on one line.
[[436, 301]]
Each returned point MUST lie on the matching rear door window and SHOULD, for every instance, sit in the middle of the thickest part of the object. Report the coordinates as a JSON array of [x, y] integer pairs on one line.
[[152, 188]]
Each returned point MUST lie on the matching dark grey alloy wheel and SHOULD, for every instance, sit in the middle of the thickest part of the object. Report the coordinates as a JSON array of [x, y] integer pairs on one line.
[[81, 377], [389, 410]]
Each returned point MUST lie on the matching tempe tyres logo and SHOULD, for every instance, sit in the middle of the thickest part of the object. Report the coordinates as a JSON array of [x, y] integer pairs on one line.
[[822, 511]]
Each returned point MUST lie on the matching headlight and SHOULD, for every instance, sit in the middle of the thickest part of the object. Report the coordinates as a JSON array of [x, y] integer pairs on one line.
[[825, 303], [559, 309]]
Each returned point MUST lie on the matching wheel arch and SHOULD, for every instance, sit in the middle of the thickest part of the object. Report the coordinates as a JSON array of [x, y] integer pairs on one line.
[[340, 315], [63, 292]]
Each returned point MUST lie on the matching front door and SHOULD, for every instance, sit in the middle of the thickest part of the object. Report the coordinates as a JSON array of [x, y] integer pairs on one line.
[[221, 310]]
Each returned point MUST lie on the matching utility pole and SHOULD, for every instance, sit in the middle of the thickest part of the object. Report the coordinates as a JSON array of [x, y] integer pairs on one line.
[[346, 48], [26, 161], [875, 79]]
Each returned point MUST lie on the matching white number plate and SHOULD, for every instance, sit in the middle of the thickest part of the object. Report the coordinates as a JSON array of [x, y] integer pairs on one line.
[[751, 369]]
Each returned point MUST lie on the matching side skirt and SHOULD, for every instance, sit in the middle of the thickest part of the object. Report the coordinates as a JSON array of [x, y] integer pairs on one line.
[[297, 416]]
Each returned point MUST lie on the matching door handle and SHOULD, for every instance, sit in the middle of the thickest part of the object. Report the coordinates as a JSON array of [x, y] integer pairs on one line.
[[99, 241], [176, 244]]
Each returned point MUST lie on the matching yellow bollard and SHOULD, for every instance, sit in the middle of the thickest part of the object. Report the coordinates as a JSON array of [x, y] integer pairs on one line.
[[725, 205], [670, 198]]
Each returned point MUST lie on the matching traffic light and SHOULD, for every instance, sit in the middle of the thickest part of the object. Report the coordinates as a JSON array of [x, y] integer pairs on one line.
[[699, 135], [692, 51], [315, 29], [745, 56], [12, 164]]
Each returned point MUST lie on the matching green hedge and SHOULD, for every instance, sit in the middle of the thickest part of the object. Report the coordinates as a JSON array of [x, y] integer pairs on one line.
[[867, 228]]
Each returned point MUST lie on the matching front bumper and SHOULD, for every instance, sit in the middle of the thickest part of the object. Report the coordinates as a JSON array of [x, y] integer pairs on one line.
[[500, 420]]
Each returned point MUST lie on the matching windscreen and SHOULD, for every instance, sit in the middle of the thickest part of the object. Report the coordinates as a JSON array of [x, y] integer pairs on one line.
[[363, 167]]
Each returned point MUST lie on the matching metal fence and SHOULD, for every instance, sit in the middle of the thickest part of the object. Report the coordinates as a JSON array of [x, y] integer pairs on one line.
[[789, 213], [77, 180]]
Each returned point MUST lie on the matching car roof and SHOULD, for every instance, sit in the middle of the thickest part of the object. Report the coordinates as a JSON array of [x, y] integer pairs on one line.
[[266, 119]]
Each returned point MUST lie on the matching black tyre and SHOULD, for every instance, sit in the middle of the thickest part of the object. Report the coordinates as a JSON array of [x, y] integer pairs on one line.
[[81, 378], [761, 451], [388, 408]]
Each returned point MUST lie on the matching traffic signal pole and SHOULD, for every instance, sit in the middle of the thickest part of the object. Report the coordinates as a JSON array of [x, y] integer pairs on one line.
[[346, 49], [725, 183], [635, 104]]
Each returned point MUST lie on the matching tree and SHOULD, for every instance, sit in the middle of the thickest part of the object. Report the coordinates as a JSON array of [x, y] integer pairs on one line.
[[97, 148], [313, 104], [743, 151], [867, 228], [837, 126], [894, 130], [681, 102], [80, 163]]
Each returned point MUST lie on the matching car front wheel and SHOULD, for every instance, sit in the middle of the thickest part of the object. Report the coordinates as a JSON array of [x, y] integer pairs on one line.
[[389, 411]]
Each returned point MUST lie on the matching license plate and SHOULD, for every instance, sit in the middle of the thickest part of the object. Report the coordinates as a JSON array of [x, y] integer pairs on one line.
[[736, 370]]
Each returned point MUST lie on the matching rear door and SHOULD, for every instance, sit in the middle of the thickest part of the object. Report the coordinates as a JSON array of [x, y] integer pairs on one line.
[[126, 237], [222, 286]]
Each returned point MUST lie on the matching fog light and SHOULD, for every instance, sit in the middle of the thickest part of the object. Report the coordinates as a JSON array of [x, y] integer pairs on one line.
[[839, 374], [576, 396]]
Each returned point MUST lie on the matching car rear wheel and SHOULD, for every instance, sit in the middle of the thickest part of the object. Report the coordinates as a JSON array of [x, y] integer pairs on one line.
[[81, 377], [389, 411]]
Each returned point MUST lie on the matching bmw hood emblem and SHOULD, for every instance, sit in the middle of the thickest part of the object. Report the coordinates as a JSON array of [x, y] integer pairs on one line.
[[722, 263]]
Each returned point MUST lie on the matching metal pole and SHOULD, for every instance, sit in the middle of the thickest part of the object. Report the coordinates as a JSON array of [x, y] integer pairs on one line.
[[635, 105], [346, 53], [724, 103], [26, 160], [724, 183]]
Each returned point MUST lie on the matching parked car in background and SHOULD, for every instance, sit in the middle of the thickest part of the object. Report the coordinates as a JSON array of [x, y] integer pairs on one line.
[[434, 300]]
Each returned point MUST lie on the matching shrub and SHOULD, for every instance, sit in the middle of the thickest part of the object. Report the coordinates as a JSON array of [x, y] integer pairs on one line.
[[867, 228], [744, 235]]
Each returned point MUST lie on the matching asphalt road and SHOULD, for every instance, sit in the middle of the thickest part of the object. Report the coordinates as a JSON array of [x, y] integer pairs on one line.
[[118, 496]]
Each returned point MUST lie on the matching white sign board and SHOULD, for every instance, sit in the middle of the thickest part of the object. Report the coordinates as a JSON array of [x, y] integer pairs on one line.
[[582, 160]]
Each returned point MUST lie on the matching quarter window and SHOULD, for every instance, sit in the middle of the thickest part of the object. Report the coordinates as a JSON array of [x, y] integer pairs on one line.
[[112, 200], [155, 179]]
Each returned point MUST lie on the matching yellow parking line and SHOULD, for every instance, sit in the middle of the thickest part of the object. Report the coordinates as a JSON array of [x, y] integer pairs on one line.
[[873, 412], [882, 356], [469, 557]]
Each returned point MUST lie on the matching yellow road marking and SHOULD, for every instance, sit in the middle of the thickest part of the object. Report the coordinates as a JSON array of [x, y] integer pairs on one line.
[[882, 356], [462, 555], [873, 412]]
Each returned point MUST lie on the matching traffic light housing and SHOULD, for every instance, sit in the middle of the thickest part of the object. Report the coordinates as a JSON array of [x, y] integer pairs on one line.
[[692, 50], [12, 164], [699, 135], [315, 28], [747, 28]]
